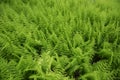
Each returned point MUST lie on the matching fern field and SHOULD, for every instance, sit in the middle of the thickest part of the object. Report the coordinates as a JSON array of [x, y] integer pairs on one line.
[[59, 39]]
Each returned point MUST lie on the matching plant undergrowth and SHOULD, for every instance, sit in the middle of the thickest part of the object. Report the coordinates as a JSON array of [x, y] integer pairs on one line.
[[59, 40]]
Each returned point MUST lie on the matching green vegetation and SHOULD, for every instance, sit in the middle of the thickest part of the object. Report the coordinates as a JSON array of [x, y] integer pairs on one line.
[[59, 40]]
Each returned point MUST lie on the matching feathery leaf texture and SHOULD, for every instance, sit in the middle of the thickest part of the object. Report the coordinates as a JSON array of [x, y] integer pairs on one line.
[[59, 40]]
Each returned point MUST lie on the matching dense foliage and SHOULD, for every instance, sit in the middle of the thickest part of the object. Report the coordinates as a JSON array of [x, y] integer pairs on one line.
[[59, 40]]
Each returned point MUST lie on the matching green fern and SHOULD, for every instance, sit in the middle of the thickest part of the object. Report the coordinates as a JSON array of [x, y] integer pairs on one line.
[[59, 40]]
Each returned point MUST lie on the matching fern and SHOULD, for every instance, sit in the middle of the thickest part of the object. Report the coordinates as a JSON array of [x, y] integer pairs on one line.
[[59, 40]]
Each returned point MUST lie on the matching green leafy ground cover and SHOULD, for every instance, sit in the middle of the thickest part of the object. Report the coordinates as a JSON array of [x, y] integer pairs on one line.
[[59, 40]]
